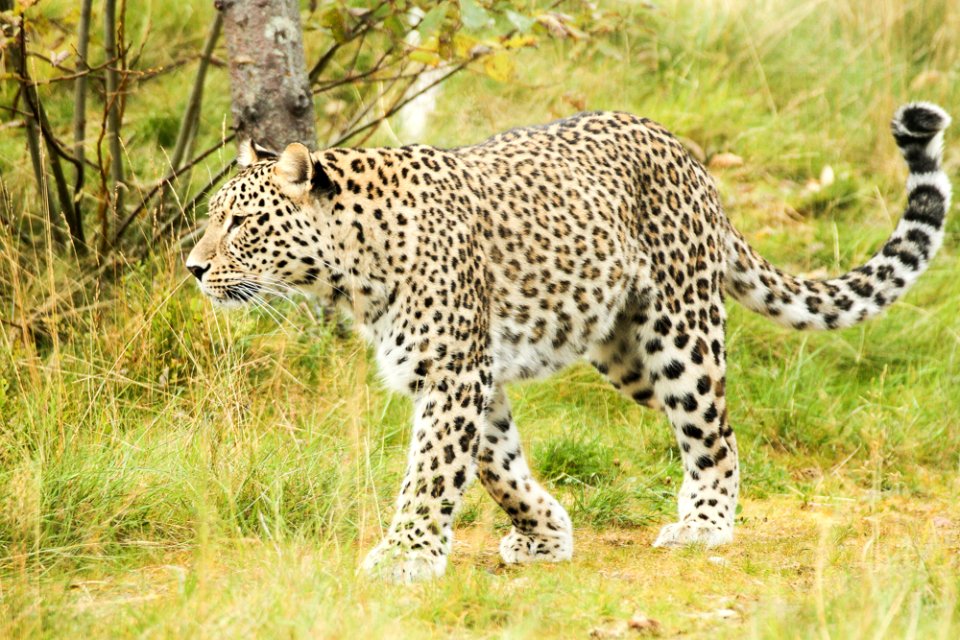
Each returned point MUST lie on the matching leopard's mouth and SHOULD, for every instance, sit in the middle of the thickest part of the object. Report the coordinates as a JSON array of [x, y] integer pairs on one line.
[[242, 292], [234, 295]]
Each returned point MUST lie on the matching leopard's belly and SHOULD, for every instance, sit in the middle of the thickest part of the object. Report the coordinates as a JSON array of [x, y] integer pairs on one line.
[[532, 338]]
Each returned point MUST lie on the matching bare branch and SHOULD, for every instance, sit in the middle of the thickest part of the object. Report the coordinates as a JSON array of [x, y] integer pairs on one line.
[[348, 78]]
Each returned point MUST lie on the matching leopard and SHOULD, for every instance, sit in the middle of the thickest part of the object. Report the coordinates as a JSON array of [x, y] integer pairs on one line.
[[597, 237]]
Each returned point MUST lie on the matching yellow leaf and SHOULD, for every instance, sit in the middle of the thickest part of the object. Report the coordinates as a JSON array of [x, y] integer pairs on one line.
[[429, 58], [463, 44], [499, 66], [519, 42]]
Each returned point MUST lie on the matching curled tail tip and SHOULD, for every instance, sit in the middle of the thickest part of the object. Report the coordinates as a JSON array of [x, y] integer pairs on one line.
[[920, 120], [918, 129]]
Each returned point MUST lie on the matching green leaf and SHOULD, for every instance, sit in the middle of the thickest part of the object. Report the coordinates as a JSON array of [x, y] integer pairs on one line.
[[473, 15], [521, 22], [383, 10], [429, 58], [333, 19], [395, 25], [432, 20]]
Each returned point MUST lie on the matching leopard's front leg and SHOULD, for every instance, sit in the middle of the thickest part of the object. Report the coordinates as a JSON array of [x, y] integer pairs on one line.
[[442, 462]]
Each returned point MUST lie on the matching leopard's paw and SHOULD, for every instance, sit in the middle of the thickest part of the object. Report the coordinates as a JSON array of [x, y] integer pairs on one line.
[[691, 532], [518, 546], [403, 566]]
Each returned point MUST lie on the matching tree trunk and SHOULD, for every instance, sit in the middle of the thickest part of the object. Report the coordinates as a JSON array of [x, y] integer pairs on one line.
[[114, 103], [80, 89], [270, 92]]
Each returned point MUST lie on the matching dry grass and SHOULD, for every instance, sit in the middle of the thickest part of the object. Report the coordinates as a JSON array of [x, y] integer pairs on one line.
[[845, 567]]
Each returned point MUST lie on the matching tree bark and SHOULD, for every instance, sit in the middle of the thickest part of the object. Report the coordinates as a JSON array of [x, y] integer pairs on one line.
[[270, 92]]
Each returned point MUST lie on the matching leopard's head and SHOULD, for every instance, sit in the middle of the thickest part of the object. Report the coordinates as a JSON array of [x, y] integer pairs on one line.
[[269, 228]]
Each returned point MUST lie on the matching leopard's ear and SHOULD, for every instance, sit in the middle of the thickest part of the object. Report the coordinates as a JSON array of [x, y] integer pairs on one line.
[[295, 166], [320, 183], [247, 153]]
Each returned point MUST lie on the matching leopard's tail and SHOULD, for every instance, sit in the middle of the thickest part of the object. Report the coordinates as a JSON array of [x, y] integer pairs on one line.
[[867, 290]]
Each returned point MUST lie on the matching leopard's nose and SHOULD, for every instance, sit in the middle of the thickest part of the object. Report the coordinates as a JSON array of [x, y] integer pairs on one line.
[[198, 270]]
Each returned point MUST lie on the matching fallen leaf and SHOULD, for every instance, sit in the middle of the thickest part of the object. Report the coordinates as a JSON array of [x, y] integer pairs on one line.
[[644, 625], [725, 161], [578, 102]]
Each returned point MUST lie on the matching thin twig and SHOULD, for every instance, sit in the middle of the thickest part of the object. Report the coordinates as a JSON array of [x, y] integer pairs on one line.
[[72, 74], [362, 113]]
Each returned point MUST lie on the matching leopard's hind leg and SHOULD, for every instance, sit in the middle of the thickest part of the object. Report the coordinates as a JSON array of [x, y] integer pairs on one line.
[[676, 362]]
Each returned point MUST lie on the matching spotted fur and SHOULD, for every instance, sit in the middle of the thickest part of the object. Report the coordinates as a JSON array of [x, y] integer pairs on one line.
[[596, 237]]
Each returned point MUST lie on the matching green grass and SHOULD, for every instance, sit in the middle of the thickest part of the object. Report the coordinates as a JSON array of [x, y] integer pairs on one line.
[[170, 471]]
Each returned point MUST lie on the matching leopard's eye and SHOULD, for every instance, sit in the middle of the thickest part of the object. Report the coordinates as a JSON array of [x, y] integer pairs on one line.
[[235, 221]]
